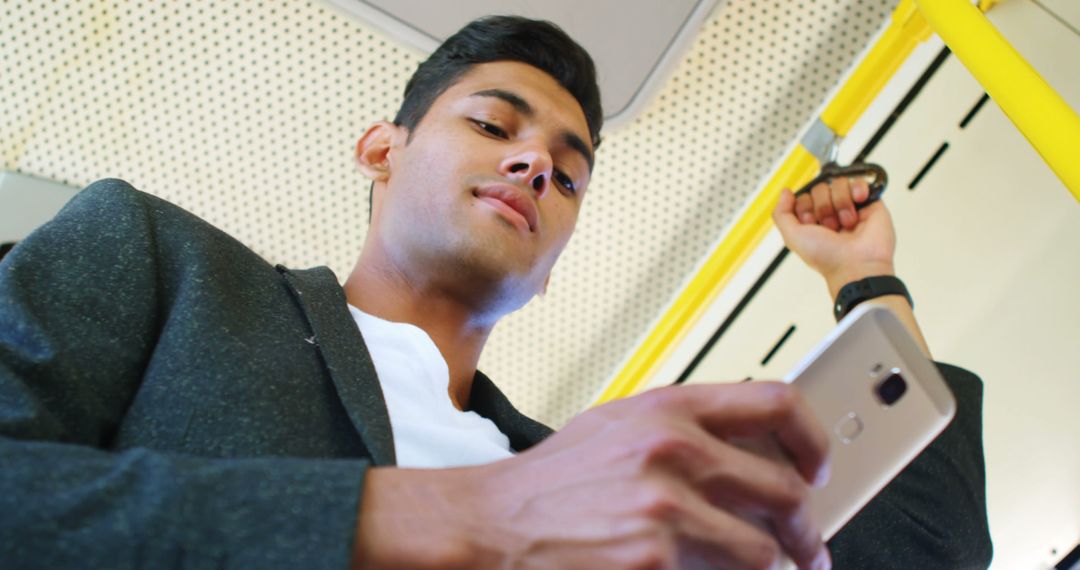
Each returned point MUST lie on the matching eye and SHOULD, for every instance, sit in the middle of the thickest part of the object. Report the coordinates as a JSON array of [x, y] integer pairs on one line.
[[565, 181], [490, 128]]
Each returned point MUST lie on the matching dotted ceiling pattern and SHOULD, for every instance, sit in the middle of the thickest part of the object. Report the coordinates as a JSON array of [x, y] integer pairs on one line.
[[246, 113]]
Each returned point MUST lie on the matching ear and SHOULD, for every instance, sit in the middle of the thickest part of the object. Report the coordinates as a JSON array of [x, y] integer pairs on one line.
[[373, 150]]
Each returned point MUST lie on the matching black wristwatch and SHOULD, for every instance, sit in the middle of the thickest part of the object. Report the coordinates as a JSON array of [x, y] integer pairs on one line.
[[864, 289]]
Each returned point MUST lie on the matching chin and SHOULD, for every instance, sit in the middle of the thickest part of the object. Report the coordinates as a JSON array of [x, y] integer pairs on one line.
[[483, 267], [507, 280]]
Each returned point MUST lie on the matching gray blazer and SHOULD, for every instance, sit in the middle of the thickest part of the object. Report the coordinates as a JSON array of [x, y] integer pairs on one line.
[[169, 399]]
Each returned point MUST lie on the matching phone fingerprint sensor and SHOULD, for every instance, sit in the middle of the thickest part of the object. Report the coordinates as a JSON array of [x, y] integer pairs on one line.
[[849, 427]]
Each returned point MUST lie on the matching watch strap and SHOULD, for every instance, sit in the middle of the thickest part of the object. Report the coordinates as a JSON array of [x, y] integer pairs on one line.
[[865, 289]]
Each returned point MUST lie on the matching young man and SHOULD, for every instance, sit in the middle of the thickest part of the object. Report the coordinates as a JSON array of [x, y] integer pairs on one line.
[[168, 398]]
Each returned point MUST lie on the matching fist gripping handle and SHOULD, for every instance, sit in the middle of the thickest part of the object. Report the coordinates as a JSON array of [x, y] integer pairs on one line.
[[875, 176]]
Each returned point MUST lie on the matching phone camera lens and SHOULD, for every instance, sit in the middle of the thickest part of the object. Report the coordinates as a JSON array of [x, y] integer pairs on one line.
[[891, 389]]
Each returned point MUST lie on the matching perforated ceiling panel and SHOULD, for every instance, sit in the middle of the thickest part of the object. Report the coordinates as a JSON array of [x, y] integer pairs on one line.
[[247, 112]]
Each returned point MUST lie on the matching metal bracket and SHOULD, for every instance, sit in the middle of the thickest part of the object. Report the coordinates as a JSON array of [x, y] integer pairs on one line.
[[821, 141]]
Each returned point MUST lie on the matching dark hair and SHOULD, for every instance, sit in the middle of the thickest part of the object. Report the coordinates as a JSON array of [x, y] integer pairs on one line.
[[537, 43]]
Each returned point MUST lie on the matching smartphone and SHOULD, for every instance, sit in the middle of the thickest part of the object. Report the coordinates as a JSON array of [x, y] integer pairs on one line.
[[880, 400]]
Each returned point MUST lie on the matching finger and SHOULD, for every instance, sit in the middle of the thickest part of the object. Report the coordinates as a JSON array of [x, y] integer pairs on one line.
[[860, 190], [744, 482], [784, 214], [758, 482], [722, 538], [785, 204], [873, 210], [756, 408], [843, 204], [823, 208], [804, 208]]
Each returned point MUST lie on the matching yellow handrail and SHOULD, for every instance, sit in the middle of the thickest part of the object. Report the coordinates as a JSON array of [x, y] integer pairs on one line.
[[1038, 112], [1033, 106], [799, 167], [905, 31]]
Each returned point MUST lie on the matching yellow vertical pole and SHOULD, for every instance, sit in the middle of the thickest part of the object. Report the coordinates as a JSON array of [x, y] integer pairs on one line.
[[1038, 112]]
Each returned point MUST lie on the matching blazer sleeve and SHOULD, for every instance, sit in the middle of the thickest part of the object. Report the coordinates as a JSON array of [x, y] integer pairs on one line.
[[80, 304], [933, 515]]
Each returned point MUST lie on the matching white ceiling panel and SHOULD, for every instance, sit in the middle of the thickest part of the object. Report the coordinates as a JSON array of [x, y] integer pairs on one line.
[[633, 42]]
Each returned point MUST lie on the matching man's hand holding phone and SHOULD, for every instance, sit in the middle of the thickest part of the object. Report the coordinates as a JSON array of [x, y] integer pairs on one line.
[[650, 481]]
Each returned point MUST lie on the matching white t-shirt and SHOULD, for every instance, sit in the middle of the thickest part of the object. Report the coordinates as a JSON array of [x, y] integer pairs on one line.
[[428, 430]]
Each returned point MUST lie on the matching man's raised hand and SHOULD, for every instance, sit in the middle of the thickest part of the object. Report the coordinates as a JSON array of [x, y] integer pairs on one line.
[[841, 243]]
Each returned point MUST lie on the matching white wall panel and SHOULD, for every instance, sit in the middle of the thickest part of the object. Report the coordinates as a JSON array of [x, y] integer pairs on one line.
[[989, 245]]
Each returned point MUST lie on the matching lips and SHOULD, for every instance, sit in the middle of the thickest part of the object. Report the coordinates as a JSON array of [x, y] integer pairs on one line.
[[512, 202]]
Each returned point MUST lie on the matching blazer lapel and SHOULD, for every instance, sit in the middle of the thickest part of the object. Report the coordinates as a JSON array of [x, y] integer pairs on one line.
[[323, 303], [487, 400]]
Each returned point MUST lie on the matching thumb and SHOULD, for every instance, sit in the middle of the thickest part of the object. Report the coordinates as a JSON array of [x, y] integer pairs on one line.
[[872, 211], [784, 213]]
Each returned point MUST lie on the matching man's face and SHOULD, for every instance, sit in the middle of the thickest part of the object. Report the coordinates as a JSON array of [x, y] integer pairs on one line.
[[490, 184]]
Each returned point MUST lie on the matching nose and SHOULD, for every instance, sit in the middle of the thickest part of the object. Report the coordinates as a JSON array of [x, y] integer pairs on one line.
[[530, 166]]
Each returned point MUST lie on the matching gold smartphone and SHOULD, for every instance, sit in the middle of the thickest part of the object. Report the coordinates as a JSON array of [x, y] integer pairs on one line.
[[880, 400]]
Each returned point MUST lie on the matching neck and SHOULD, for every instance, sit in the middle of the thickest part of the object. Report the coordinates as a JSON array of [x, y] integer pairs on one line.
[[378, 288]]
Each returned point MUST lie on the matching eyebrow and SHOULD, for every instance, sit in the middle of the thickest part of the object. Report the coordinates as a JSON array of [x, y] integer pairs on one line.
[[522, 106]]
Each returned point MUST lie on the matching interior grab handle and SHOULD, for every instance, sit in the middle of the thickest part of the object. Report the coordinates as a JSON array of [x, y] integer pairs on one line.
[[875, 176]]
